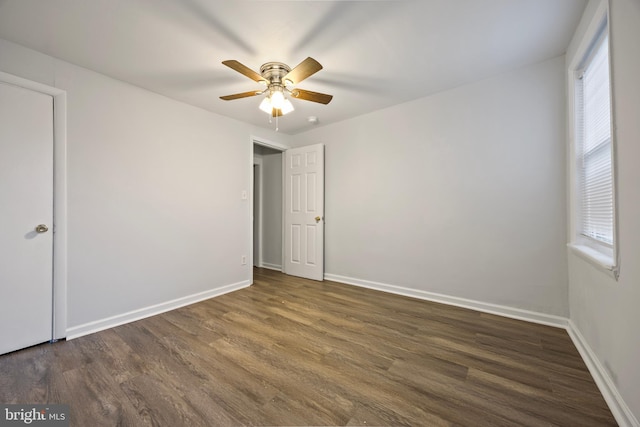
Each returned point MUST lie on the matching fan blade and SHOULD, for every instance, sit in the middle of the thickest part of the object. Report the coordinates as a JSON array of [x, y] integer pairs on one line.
[[303, 70], [308, 95], [243, 69], [241, 95], [276, 112]]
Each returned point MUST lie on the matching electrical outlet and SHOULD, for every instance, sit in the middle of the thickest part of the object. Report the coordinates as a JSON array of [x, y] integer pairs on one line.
[[243, 260]]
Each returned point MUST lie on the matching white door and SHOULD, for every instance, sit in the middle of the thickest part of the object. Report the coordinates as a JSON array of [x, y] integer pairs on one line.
[[26, 201], [304, 212]]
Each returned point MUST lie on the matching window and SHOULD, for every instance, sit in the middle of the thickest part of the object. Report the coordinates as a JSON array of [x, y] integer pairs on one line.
[[593, 207], [595, 189]]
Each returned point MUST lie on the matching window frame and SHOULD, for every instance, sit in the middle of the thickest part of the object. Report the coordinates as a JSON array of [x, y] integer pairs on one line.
[[600, 254]]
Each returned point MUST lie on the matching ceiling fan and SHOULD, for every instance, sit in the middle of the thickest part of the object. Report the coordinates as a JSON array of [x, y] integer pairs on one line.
[[280, 80]]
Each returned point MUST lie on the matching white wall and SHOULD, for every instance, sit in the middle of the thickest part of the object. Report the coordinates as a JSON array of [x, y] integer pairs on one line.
[[461, 193], [604, 311], [154, 192]]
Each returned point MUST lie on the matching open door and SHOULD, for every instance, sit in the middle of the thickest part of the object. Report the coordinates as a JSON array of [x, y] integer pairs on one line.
[[304, 212]]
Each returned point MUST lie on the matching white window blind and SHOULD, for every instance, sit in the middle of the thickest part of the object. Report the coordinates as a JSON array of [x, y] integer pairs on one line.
[[595, 178]]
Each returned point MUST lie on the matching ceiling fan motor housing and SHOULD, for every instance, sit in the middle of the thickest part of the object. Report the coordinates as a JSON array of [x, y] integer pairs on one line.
[[273, 72]]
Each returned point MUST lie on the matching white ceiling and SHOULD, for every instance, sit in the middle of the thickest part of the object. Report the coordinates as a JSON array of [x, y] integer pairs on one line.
[[375, 53]]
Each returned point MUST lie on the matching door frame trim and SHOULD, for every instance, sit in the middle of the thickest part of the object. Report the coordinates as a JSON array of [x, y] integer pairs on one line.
[[59, 274], [256, 256]]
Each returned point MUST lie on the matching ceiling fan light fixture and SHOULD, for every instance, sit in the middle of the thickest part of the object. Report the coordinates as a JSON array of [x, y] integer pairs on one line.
[[287, 107], [277, 99], [266, 106]]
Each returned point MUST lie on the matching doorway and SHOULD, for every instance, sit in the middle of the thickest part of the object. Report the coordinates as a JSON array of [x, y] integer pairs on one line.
[[267, 207], [287, 205]]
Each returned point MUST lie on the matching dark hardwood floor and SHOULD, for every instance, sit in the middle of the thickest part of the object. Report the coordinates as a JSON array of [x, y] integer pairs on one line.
[[289, 351]]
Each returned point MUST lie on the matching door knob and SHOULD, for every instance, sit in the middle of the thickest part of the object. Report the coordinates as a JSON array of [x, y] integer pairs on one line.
[[318, 219], [42, 228]]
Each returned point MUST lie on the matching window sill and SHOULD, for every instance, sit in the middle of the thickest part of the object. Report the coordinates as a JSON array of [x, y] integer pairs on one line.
[[597, 259]]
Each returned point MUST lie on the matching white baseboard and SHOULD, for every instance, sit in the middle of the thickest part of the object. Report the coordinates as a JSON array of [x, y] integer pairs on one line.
[[617, 405], [132, 316], [500, 310], [271, 266]]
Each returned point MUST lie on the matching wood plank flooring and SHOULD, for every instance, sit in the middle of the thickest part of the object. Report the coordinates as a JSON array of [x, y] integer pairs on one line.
[[289, 351]]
